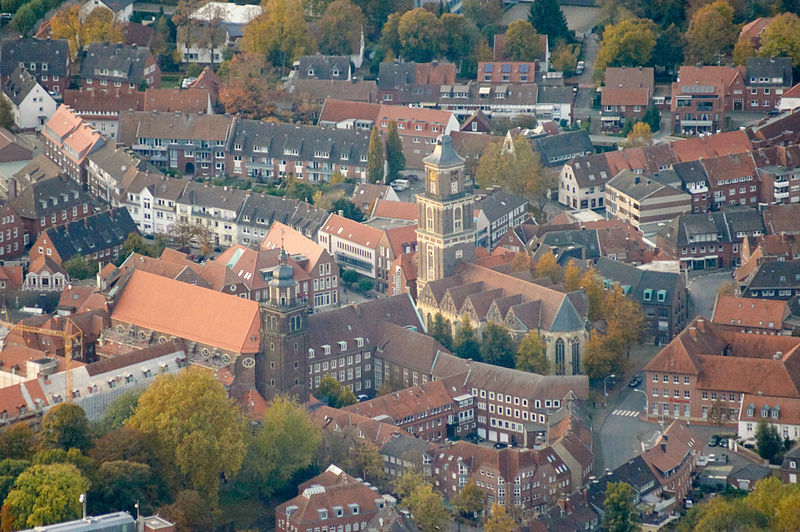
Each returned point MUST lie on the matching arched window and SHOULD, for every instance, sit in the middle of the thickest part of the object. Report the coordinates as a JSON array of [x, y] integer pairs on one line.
[[560, 357], [457, 219], [431, 269], [430, 218], [576, 357]]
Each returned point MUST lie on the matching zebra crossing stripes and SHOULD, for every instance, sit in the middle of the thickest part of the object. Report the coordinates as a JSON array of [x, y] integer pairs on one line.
[[628, 413]]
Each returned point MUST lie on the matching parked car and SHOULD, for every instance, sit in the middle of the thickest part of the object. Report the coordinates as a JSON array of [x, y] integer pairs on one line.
[[500, 445], [400, 184], [579, 69], [361, 398], [714, 441], [635, 381]]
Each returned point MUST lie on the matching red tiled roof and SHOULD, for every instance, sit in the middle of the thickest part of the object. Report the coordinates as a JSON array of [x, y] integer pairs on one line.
[[749, 312], [190, 312], [395, 210], [794, 92], [172, 100], [353, 231], [12, 275], [407, 402], [754, 28], [624, 96], [294, 242], [695, 148], [671, 449], [399, 237]]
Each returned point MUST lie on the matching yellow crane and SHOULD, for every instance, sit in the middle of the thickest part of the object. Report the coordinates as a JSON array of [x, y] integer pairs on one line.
[[68, 338]]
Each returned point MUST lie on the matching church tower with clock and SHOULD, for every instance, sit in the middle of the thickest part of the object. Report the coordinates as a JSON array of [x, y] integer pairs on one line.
[[445, 227]]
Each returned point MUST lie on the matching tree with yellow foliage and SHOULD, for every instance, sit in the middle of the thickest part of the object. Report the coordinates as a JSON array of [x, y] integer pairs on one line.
[[98, 26], [280, 32], [499, 521], [548, 267]]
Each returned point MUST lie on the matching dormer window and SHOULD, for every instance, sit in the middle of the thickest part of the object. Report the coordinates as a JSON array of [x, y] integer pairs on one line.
[[335, 72], [648, 294], [310, 72], [323, 513], [360, 342], [326, 349], [353, 508], [343, 346], [338, 510]]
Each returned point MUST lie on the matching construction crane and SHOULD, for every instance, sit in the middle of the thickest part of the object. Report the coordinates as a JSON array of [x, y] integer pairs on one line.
[[64, 335]]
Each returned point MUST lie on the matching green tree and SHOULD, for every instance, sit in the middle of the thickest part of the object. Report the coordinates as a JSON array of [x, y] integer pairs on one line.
[[18, 442], [441, 331], [390, 36], [420, 35], [668, 51], [121, 409], [375, 160], [340, 28], [467, 503], [522, 42], [193, 420], [349, 276], [497, 346], [10, 469], [734, 515], [394, 152], [280, 33], [620, 514], [285, 443], [601, 358], [85, 465], [44, 495], [6, 114], [782, 38], [79, 267], [499, 521], [460, 39], [652, 117], [378, 11], [627, 43], [334, 394], [356, 456], [466, 346], [711, 32], [428, 508], [119, 486], [513, 166], [532, 354], [65, 426], [348, 209], [548, 19], [743, 50], [768, 441]]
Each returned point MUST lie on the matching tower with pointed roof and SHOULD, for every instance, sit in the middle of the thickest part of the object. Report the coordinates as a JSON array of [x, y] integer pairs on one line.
[[445, 230], [281, 367]]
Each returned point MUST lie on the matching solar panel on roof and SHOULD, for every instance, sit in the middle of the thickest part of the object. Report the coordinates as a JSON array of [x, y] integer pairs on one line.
[[523, 69], [506, 68], [488, 67]]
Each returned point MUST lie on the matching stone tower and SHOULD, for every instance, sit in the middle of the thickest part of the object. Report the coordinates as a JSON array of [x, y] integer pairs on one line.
[[445, 230], [282, 365]]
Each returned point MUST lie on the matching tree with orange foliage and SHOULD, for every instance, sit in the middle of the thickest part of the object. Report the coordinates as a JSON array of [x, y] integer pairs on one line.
[[247, 87]]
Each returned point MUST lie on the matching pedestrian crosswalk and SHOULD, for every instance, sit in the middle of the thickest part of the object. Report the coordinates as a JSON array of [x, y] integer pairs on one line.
[[628, 413]]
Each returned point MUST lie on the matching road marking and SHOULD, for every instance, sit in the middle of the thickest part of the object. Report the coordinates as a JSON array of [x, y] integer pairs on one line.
[[626, 413]]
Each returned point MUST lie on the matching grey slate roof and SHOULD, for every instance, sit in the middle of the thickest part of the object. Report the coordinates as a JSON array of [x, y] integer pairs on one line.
[[97, 232], [396, 75], [18, 85], [776, 274], [641, 280], [563, 241], [635, 472], [297, 214], [53, 52], [499, 204], [555, 94], [323, 67], [769, 67], [744, 219], [128, 61], [42, 198], [344, 146], [637, 186], [117, 5], [556, 148], [200, 194]]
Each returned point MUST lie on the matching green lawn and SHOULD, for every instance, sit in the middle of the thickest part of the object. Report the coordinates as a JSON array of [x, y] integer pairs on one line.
[[170, 81]]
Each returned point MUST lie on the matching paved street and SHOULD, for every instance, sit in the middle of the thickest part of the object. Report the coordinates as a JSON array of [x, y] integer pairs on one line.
[[703, 287], [623, 434]]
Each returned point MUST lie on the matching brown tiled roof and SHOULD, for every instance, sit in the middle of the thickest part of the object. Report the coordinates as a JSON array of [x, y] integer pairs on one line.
[[754, 28], [728, 166], [138, 34], [695, 148], [43, 263], [177, 100], [783, 218], [136, 356], [294, 242], [749, 312], [209, 80], [408, 402], [399, 237], [624, 96], [318, 90], [788, 408], [91, 103], [436, 73], [336, 419], [671, 449], [12, 275], [629, 78], [368, 194], [173, 126], [794, 92], [189, 312], [334, 110]]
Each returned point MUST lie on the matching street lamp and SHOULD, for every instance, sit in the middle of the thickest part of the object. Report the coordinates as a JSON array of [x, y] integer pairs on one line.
[[605, 392]]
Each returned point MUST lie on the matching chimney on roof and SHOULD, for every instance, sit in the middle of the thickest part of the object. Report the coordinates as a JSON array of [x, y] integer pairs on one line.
[[699, 66], [693, 332], [701, 324], [663, 447], [12, 189]]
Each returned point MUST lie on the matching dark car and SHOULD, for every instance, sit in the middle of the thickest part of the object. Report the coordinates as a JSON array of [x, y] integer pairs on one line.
[[499, 445], [714, 441], [635, 381]]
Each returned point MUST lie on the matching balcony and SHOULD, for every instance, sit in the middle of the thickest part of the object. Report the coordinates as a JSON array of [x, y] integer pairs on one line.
[[781, 195], [696, 123]]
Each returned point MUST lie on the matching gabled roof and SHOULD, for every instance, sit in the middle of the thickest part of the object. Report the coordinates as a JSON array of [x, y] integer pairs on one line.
[[782, 219], [177, 100], [40, 167], [99, 103], [12, 148], [294, 242], [499, 204], [327, 67], [189, 312], [19, 84], [563, 144], [89, 235], [355, 232], [629, 78], [41, 198], [672, 449], [771, 68], [120, 62], [53, 52], [755, 28], [395, 210], [748, 312], [133, 126]]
